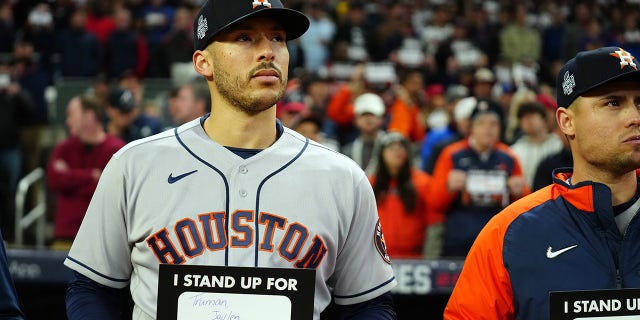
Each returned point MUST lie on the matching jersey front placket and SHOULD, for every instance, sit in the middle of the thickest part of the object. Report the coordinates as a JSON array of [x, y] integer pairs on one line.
[[241, 233]]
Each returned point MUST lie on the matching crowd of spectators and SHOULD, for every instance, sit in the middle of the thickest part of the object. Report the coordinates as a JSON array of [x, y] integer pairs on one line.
[[429, 61]]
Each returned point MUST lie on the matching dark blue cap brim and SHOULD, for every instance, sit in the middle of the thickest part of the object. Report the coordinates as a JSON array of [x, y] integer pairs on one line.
[[632, 76]]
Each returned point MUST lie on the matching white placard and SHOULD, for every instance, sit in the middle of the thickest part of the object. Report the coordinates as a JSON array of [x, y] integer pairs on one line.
[[486, 182]]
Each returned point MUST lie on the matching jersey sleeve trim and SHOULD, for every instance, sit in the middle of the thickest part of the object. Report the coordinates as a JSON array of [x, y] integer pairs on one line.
[[94, 271], [367, 291]]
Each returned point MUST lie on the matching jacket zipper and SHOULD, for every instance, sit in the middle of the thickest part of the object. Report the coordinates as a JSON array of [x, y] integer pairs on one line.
[[618, 274]]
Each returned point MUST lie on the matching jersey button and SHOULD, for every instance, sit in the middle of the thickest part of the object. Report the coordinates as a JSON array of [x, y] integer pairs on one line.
[[243, 193], [243, 169]]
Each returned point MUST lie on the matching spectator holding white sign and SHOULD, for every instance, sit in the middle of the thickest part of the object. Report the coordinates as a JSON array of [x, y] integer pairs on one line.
[[474, 179]]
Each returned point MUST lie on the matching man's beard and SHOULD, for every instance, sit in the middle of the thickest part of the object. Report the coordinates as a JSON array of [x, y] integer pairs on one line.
[[231, 88]]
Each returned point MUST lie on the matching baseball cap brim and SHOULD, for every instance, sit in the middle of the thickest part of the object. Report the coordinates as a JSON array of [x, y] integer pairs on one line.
[[633, 76], [294, 23]]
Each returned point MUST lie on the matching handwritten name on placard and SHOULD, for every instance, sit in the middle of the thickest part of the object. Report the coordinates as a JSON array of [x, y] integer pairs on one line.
[[595, 304], [232, 306]]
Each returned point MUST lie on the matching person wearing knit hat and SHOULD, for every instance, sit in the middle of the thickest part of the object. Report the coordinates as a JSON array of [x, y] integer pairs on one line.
[[577, 237]]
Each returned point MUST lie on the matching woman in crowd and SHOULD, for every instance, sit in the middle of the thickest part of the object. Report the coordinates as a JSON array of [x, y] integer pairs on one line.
[[400, 191]]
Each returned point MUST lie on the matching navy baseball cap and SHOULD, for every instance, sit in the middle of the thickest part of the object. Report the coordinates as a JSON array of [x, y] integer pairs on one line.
[[593, 68], [121, 99], [484, 106], [217, 15]]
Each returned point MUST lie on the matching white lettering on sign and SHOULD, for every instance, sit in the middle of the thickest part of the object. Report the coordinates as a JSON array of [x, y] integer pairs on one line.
[[596, 305], [412, 279]]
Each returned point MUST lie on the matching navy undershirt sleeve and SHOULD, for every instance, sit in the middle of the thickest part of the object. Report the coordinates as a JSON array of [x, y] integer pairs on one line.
[[87, 299], [380, 308]]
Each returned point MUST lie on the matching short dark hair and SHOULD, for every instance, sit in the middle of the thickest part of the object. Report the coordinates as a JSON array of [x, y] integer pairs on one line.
[[92, 103], [531, 107], [406, 73], [315, 119], [173, 92]]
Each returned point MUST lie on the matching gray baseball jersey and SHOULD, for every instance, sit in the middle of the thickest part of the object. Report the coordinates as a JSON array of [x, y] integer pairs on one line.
[[179, 197]]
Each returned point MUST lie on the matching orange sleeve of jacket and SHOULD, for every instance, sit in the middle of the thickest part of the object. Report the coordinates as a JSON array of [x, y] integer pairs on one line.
[[404, 119], [340, 106], [484, 271], [417, 129], [422, 182], [483, 290], [440, 197]]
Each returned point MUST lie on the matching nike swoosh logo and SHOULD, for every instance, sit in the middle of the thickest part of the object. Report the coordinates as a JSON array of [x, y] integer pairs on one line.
[[173, 179], [552, 254]]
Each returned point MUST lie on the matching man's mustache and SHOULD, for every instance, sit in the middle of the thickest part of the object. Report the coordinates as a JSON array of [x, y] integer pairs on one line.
[[266, 66]]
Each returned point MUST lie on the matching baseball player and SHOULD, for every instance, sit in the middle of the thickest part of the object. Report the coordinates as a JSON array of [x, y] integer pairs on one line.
[[581, 232], [233, 188]]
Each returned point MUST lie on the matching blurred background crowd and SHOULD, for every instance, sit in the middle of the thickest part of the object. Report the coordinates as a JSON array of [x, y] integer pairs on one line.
[[405, 88]]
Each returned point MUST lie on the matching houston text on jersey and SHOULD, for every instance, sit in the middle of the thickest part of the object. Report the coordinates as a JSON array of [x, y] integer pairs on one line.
[[190, 238]]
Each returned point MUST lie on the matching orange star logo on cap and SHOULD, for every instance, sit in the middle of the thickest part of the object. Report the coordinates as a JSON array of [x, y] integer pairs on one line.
[[626, 59], [264, 3]]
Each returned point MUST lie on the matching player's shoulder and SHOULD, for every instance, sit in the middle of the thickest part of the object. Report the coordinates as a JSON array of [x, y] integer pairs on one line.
[[320, 156], [316, 149], [159, 142], [144, 143], [453, 147], [532, 205]]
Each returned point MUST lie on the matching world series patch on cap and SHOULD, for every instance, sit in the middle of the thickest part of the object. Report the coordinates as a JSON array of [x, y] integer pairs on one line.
[[591, 69], [218, 15]]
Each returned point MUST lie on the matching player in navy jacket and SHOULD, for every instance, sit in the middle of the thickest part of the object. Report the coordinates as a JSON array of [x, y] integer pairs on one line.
[[580, 233]]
